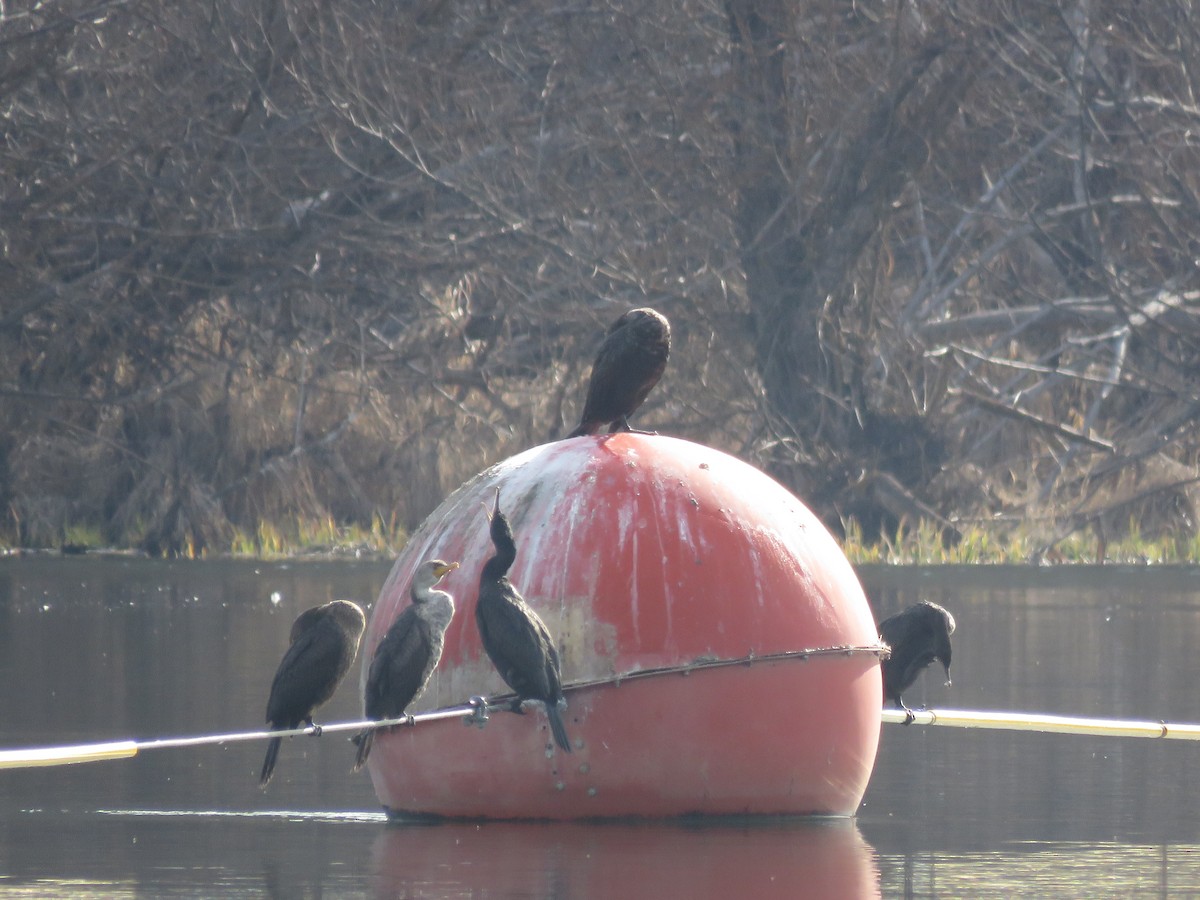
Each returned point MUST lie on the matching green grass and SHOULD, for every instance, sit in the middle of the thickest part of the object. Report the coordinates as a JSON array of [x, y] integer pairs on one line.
[[1000, 543], [1017, 544], [318, 537], [324, 536], [83, 536]]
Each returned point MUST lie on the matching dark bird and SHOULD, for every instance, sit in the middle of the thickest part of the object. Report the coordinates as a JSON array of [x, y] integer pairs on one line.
[[917, 636], [408, 653], [513, 635], [630, 363], [323, 640]]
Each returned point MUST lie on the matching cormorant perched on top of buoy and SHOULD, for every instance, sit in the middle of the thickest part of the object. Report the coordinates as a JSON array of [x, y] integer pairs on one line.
[[324, 640], [408, 653], [917, 636], [513, 635], [630, 363]]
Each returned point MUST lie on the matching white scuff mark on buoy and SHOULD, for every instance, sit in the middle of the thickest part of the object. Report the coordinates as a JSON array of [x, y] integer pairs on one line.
[[756, 570], [567, 548], [671, 542], [633, 592], [624, 523], [668, 596], [688, 549]]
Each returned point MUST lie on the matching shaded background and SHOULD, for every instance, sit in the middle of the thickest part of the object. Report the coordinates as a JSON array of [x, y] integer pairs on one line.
[[289, 262]]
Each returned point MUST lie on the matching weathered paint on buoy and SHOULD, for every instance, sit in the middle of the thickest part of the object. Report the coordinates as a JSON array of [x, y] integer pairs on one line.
[[643, 552]]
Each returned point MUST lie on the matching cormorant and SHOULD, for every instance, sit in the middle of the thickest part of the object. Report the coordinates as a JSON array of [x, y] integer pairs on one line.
[[917, 635], [408, 653], [513, 635], [629, 364], [323, 640]]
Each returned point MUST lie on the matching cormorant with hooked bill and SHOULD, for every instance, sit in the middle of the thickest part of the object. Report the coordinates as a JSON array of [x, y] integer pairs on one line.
[[917, 636], [323, 643], [513, 635], [630, 363], [408, 653]]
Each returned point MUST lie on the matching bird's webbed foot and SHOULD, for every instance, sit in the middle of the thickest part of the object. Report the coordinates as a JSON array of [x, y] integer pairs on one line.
[[622, 424]]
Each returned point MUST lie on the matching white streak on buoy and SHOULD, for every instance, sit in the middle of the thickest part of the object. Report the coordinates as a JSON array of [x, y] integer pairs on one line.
[[633, 593]]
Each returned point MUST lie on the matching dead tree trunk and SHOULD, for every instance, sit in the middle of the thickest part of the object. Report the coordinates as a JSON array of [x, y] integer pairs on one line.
[[808, 207]]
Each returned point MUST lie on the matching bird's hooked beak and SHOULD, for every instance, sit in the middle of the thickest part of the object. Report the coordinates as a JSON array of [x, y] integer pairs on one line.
[[491, 513], [440, 571]]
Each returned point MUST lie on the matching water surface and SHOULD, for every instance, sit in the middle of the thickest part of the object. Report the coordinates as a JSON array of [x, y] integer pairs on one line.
[[98, 649]]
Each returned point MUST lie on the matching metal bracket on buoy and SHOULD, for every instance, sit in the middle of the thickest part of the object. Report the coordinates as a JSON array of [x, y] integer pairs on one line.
[[479, 712]]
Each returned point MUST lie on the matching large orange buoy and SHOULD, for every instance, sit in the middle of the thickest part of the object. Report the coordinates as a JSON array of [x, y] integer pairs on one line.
[[718, 652]]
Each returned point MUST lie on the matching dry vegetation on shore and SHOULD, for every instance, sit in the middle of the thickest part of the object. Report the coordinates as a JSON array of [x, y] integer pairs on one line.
[[286, 266]]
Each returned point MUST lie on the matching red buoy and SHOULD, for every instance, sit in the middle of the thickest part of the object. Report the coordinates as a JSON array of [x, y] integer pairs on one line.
[[718, 652]]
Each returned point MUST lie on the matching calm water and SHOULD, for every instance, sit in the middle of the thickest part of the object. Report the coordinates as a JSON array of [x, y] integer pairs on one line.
[[108, 649]]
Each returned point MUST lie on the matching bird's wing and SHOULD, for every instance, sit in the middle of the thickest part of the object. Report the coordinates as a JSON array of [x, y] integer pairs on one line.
[[900, 627], [612, 382], [307, 675], [914, 635], [630, 363], [553, 668], [306, 621], [398, 671], [518, 642]]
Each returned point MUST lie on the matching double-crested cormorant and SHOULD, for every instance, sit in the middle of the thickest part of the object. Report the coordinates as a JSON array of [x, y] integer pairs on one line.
[[629, 364], [408, 653], [324, 640], [514, 636], [917, 635]]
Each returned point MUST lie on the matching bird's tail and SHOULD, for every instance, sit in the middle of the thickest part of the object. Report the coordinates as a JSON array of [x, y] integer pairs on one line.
[[363, 739], [557, 727], [268, 768]]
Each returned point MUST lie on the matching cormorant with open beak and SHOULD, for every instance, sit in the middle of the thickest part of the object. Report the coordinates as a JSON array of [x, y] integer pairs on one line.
[[630, 363], [917, 636], [513, 635], [408, 653], [323, 643]]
